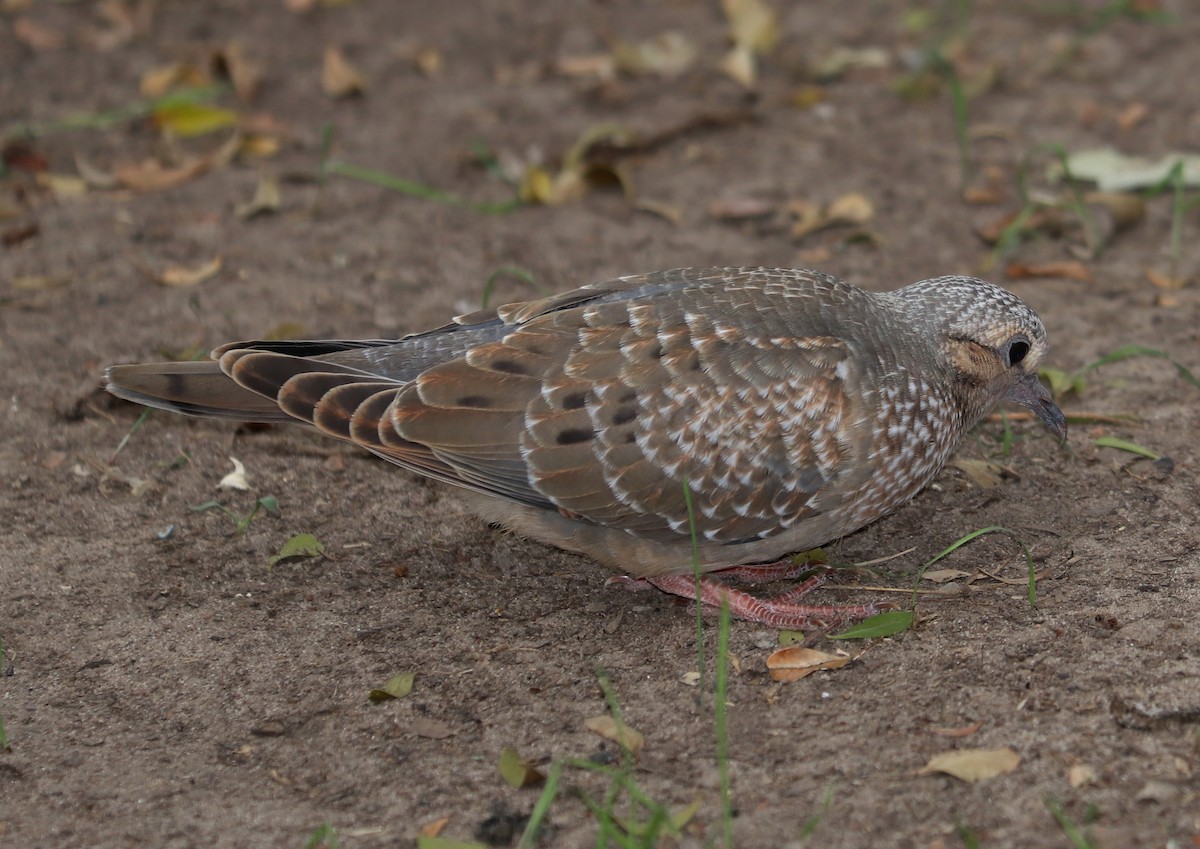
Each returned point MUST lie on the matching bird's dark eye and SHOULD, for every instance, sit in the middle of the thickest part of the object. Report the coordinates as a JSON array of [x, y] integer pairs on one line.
[[1017, 349]]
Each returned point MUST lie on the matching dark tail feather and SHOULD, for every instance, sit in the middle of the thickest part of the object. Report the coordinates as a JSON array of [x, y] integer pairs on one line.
[[192, 388]]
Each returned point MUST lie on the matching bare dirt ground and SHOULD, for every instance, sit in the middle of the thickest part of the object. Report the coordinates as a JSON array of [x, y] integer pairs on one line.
[[166, 688]]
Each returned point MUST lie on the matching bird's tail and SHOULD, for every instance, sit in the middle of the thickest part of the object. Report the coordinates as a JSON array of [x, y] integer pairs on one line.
[[192, 388]]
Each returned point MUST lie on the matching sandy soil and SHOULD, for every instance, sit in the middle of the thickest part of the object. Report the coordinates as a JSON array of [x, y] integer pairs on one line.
[[161, 686]]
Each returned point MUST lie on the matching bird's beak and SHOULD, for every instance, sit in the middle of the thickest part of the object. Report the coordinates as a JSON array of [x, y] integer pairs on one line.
[[1029, 392]]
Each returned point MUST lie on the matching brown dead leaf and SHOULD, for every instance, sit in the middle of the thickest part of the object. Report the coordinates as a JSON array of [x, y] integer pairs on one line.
[[158, 81], [983, 473], [666, 211], [434, 827], [121, 25], [431, 729], [339, 78], [1067, 269], [38, 37], [962, 731], [740, 208], [1132, 115], [180, 277], [1166, 282], [95, 177], [943, 576], [796, 662], [62, 185], [150, 175], [668, 55], [972, 765], [16, 235], [1120, 210], [243, 72], [429, 61], [38, 282], [620, 733], [752, 25], [853, 208], [739, 66], [1081, 775], [267, 199], [603, 66]]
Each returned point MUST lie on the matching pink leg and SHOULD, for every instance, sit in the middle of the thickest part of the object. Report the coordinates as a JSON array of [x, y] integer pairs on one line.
[[782, 570], [775, 613]]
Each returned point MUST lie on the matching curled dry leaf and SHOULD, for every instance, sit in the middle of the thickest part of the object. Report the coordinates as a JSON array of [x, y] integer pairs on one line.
[[796, 662], [984, 473], [235, 479], [972, 765], [158, 81], [62, 186], [739, 66], [397, 687], [1166, 282], [620, 733], [338, 77], [853, 208], [243, 72], [180, 277], [267, 199], [1067, 269], [517, 772], [434, 827]]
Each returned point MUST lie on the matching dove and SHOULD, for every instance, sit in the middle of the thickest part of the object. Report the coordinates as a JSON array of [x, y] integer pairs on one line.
[[679, 426]]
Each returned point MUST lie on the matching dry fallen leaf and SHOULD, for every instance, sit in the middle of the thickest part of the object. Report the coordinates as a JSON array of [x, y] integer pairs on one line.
[[668, 54], [235, 479], [796, 662], [739, 66], [267, 198], [984, 473], [158, 81], [338, 77], [944, 576], [431, 729], [180, 277], [740, 208], [852, 208], [150, 175], [63, 185], [245, 73], [434, 827], [1166, 282], [1081, 775], [1132, 115], [972, 765], [620, 733], [36, 36], [517, 772], [963, 731], [1067, 269]]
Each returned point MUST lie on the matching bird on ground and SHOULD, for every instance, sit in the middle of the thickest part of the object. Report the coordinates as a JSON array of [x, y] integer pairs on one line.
[[698, 420]]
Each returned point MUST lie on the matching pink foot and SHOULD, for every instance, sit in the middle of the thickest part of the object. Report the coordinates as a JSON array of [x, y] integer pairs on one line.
[[779, 612]]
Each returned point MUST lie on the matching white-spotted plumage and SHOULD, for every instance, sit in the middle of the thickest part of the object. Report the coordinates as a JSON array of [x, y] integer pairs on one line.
[[795, 407]]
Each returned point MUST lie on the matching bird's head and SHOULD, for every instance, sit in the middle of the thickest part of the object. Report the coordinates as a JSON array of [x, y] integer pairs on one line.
[[992, 343]]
